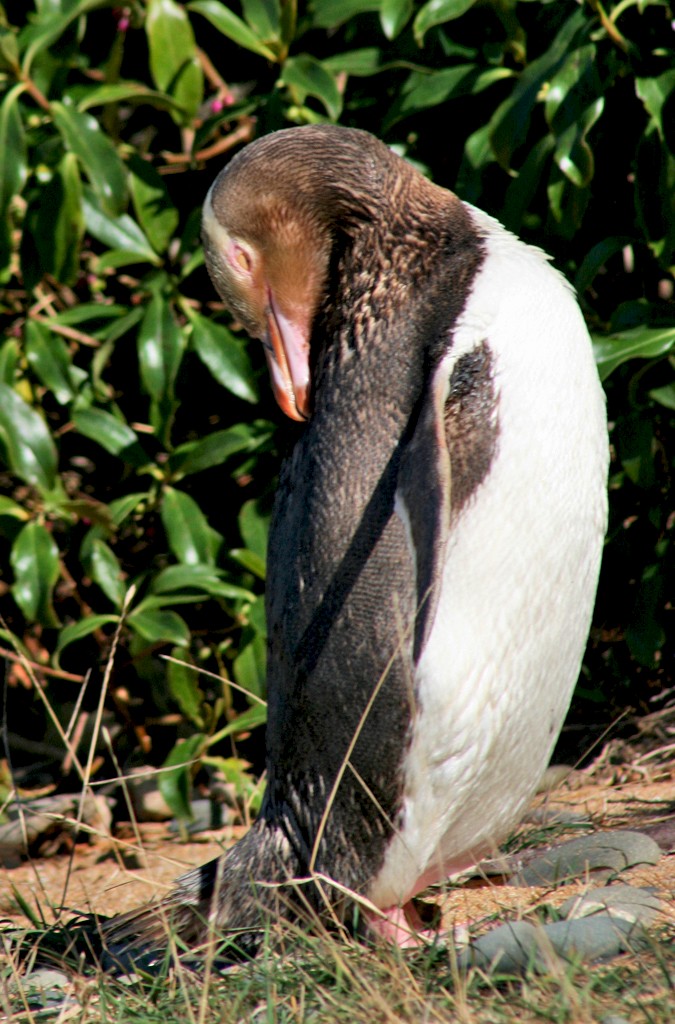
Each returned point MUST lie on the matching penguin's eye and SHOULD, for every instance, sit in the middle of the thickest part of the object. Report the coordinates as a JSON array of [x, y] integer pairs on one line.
[[244, 260], [242, 257]]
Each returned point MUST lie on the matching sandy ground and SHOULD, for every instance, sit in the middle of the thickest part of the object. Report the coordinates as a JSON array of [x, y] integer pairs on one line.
[[109, 876]]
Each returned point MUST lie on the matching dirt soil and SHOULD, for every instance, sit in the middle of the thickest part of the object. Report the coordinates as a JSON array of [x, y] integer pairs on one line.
[[114, 875]]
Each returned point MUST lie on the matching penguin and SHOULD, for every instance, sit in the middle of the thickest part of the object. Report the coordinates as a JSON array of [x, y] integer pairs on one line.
[[436, 537]]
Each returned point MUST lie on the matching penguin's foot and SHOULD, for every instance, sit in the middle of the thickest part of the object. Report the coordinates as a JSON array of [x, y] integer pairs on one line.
[[402, 926]]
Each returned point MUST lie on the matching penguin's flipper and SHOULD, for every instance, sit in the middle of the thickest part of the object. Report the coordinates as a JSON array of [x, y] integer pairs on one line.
[[423, 502], [449, 453]]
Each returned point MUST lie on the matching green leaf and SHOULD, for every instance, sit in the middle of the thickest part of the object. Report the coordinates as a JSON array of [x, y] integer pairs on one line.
[[437, 12], [364, 62], [510, 122], [288, 25], [198, 577], [224, 355], [657, 95], [78, 630], [49, 358], [234, 770], [117, 232], [105, 519], [573, 105], [257, 616], [594, 260], [42, 31], [654, 191], [190, 537], [161, 344], [567, 202], [524, 185], [155, 211], [633, 438], [183, 682], [107, 572], [159, 627], [83, 135], [394, 16], [249, 560], [645, 634], [54, 227], [665, 396], [9, 51], [250, 665], [9, 359], [93, 313], [112, 434], [333, 13], [85, 509], [192, 263], [70, 223], [636, 343], [250, 719], [35, 560], [174, 63], [254, 523], [128, 92], [214, 449], [306, 76], [264, 17], [121, 508], [428, 89], [228, 24], [13, 165], [113, 259], [9, 507], [175, 778], [31, 452], [478, 149], [158, 601]]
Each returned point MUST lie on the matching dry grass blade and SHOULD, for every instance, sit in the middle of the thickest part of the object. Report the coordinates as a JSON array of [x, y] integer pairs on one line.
[[97, 725]]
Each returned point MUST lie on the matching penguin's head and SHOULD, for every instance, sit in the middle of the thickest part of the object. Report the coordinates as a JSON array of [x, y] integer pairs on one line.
[[269, 225]]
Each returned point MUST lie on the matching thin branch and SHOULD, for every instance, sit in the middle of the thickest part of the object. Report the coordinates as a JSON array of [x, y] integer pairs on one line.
[[68, 332], [241, 134], [38, 96], [44, 669]]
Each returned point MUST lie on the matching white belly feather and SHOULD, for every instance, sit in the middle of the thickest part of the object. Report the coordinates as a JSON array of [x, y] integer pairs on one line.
[[497, 672]]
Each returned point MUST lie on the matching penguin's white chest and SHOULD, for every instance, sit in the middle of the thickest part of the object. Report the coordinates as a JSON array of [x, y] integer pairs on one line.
[[498, 668]]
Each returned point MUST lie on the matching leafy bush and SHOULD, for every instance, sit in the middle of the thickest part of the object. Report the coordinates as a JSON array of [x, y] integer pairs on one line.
[[141, 454]]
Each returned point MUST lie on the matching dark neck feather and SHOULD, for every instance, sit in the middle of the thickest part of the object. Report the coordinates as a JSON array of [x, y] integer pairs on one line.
[[395, 290]]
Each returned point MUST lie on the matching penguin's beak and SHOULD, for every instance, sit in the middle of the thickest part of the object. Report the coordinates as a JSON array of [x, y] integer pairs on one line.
[[287, 353]]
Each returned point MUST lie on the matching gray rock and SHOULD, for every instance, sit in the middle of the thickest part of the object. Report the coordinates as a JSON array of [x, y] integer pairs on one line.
[[555, 816], [206, 816], [31, 821], [606, 852], [624, 901], [509, 949], [43, 979], [146, 799], [515, 948], [47, 988], [591, 939]]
